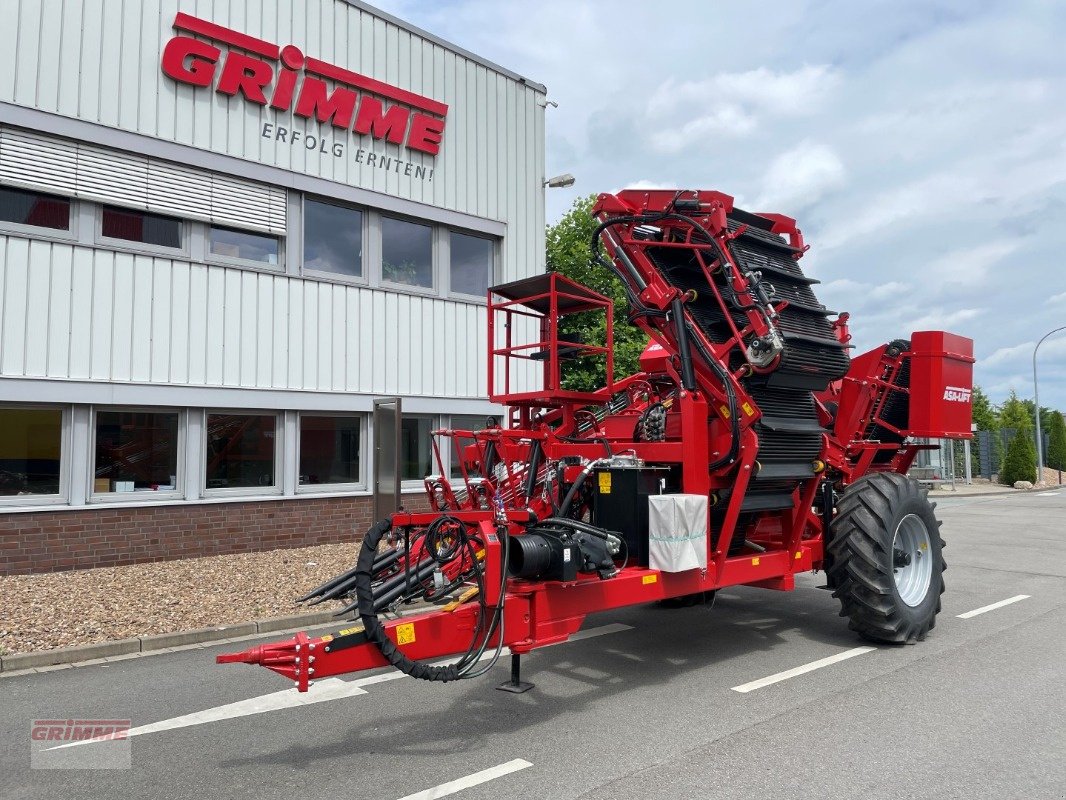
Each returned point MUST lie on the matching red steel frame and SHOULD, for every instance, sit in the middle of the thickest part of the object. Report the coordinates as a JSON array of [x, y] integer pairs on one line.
[[537, 613]]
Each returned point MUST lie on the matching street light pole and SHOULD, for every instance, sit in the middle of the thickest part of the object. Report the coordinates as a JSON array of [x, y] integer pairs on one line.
[[1036, 402]]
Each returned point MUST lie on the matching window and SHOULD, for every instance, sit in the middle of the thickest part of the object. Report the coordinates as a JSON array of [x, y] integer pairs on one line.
[[416, 447], [329, 449], [333, 238], [33, 208], [140, 226], [31, 451], [466, 422], [241, 451], [471, 264], [244, 245], [406, 253], [136, 451]]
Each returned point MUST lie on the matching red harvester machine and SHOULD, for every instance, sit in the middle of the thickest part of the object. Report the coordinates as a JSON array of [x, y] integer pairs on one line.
[[749, 448]]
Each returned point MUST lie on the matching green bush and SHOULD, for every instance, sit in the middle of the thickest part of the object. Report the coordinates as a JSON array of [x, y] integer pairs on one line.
[[1019, 464]]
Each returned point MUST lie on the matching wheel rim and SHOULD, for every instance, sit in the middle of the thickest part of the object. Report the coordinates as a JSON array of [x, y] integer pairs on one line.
[[912, 561]]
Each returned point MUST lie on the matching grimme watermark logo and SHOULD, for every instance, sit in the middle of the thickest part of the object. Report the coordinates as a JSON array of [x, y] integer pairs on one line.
[[79, 744]]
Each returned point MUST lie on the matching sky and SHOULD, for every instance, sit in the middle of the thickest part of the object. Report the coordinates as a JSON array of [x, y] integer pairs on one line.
[[920, 145]]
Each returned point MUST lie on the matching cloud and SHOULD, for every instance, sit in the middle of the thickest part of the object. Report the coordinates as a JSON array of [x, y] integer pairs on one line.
[[728, 120], [1053, 349], [852, 290], [731, 104], [970, 265], [1055, 299], [762, 89], [800, 177], [942, 319]]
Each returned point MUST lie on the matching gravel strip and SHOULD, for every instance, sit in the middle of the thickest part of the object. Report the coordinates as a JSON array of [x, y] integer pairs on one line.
[[60, 609], [1051, 477]]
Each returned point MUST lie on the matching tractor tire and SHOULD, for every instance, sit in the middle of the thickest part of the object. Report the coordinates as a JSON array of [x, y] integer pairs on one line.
[[884, 559]]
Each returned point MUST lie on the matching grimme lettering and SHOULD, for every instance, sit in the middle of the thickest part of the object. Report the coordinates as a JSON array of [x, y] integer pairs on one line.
[[352, 104]]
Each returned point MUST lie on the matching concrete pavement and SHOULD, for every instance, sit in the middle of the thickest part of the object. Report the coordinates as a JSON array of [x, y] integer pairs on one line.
[[644, 709]]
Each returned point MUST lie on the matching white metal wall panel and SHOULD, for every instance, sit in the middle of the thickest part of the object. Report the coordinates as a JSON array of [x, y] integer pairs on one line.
[[72, 312]]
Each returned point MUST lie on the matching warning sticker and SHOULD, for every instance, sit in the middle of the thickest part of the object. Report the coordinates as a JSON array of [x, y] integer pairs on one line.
[[650, 579], [405, 634], [348, 631], [748, 409], [724, 411], [755, 562], [605, 483]]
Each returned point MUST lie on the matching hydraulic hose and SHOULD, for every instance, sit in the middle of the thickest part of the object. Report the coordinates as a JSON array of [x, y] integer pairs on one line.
[[340, 584], [731, 400], [375, 632], [535, 453], [564, 508], [688, 375], [386, 593]]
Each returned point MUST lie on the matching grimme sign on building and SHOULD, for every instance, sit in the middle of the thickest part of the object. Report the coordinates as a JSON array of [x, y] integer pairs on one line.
[[270, 76]]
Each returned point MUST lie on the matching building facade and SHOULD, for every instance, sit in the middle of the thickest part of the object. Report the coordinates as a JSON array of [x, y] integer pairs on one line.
[[225, 228]]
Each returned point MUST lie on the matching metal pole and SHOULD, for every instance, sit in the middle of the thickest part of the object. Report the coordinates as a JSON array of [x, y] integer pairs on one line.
[[951, 455], [1036, 402], [967, 466]]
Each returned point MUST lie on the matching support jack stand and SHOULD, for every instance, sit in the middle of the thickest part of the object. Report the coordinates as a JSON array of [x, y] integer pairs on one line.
[[516, 685]]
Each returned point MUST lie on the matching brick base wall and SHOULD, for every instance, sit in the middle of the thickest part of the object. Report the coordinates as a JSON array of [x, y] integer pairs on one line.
[[50, 541]]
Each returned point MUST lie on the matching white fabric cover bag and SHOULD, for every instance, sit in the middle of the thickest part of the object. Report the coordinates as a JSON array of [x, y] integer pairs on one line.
[[677, 532]]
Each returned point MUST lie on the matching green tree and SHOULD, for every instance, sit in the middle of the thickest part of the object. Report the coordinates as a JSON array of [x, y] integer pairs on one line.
[[1019, 463], [1045, 414], [568, 253], [1014, 413], [1056, 449]]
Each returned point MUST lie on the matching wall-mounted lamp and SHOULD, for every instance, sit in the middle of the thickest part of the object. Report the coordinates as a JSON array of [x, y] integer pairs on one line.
[[560, 181]]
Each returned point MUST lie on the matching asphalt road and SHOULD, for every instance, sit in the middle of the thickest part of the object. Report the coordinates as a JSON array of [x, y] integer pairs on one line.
[[645, 709]]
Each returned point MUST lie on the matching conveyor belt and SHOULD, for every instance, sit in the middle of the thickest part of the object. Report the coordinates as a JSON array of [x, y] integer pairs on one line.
[[789, 432]]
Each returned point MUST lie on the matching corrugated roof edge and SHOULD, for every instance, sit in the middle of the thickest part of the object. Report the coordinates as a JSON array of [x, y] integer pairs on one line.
[[377, 12]]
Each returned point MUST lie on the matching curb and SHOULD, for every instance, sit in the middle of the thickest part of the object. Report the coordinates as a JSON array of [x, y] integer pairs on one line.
[[160, 641], [953, 495], [945, 495]]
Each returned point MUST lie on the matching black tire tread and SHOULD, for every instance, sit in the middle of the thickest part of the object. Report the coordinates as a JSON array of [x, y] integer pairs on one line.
[[859, 562]]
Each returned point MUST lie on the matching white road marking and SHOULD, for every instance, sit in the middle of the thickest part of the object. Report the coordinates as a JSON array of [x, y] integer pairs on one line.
[[486, 775], [322, 691], [994, 606], [1056, 493], [744, 688]]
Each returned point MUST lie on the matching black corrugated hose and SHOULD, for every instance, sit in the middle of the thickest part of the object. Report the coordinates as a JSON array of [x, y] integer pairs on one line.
[[375, 632]]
